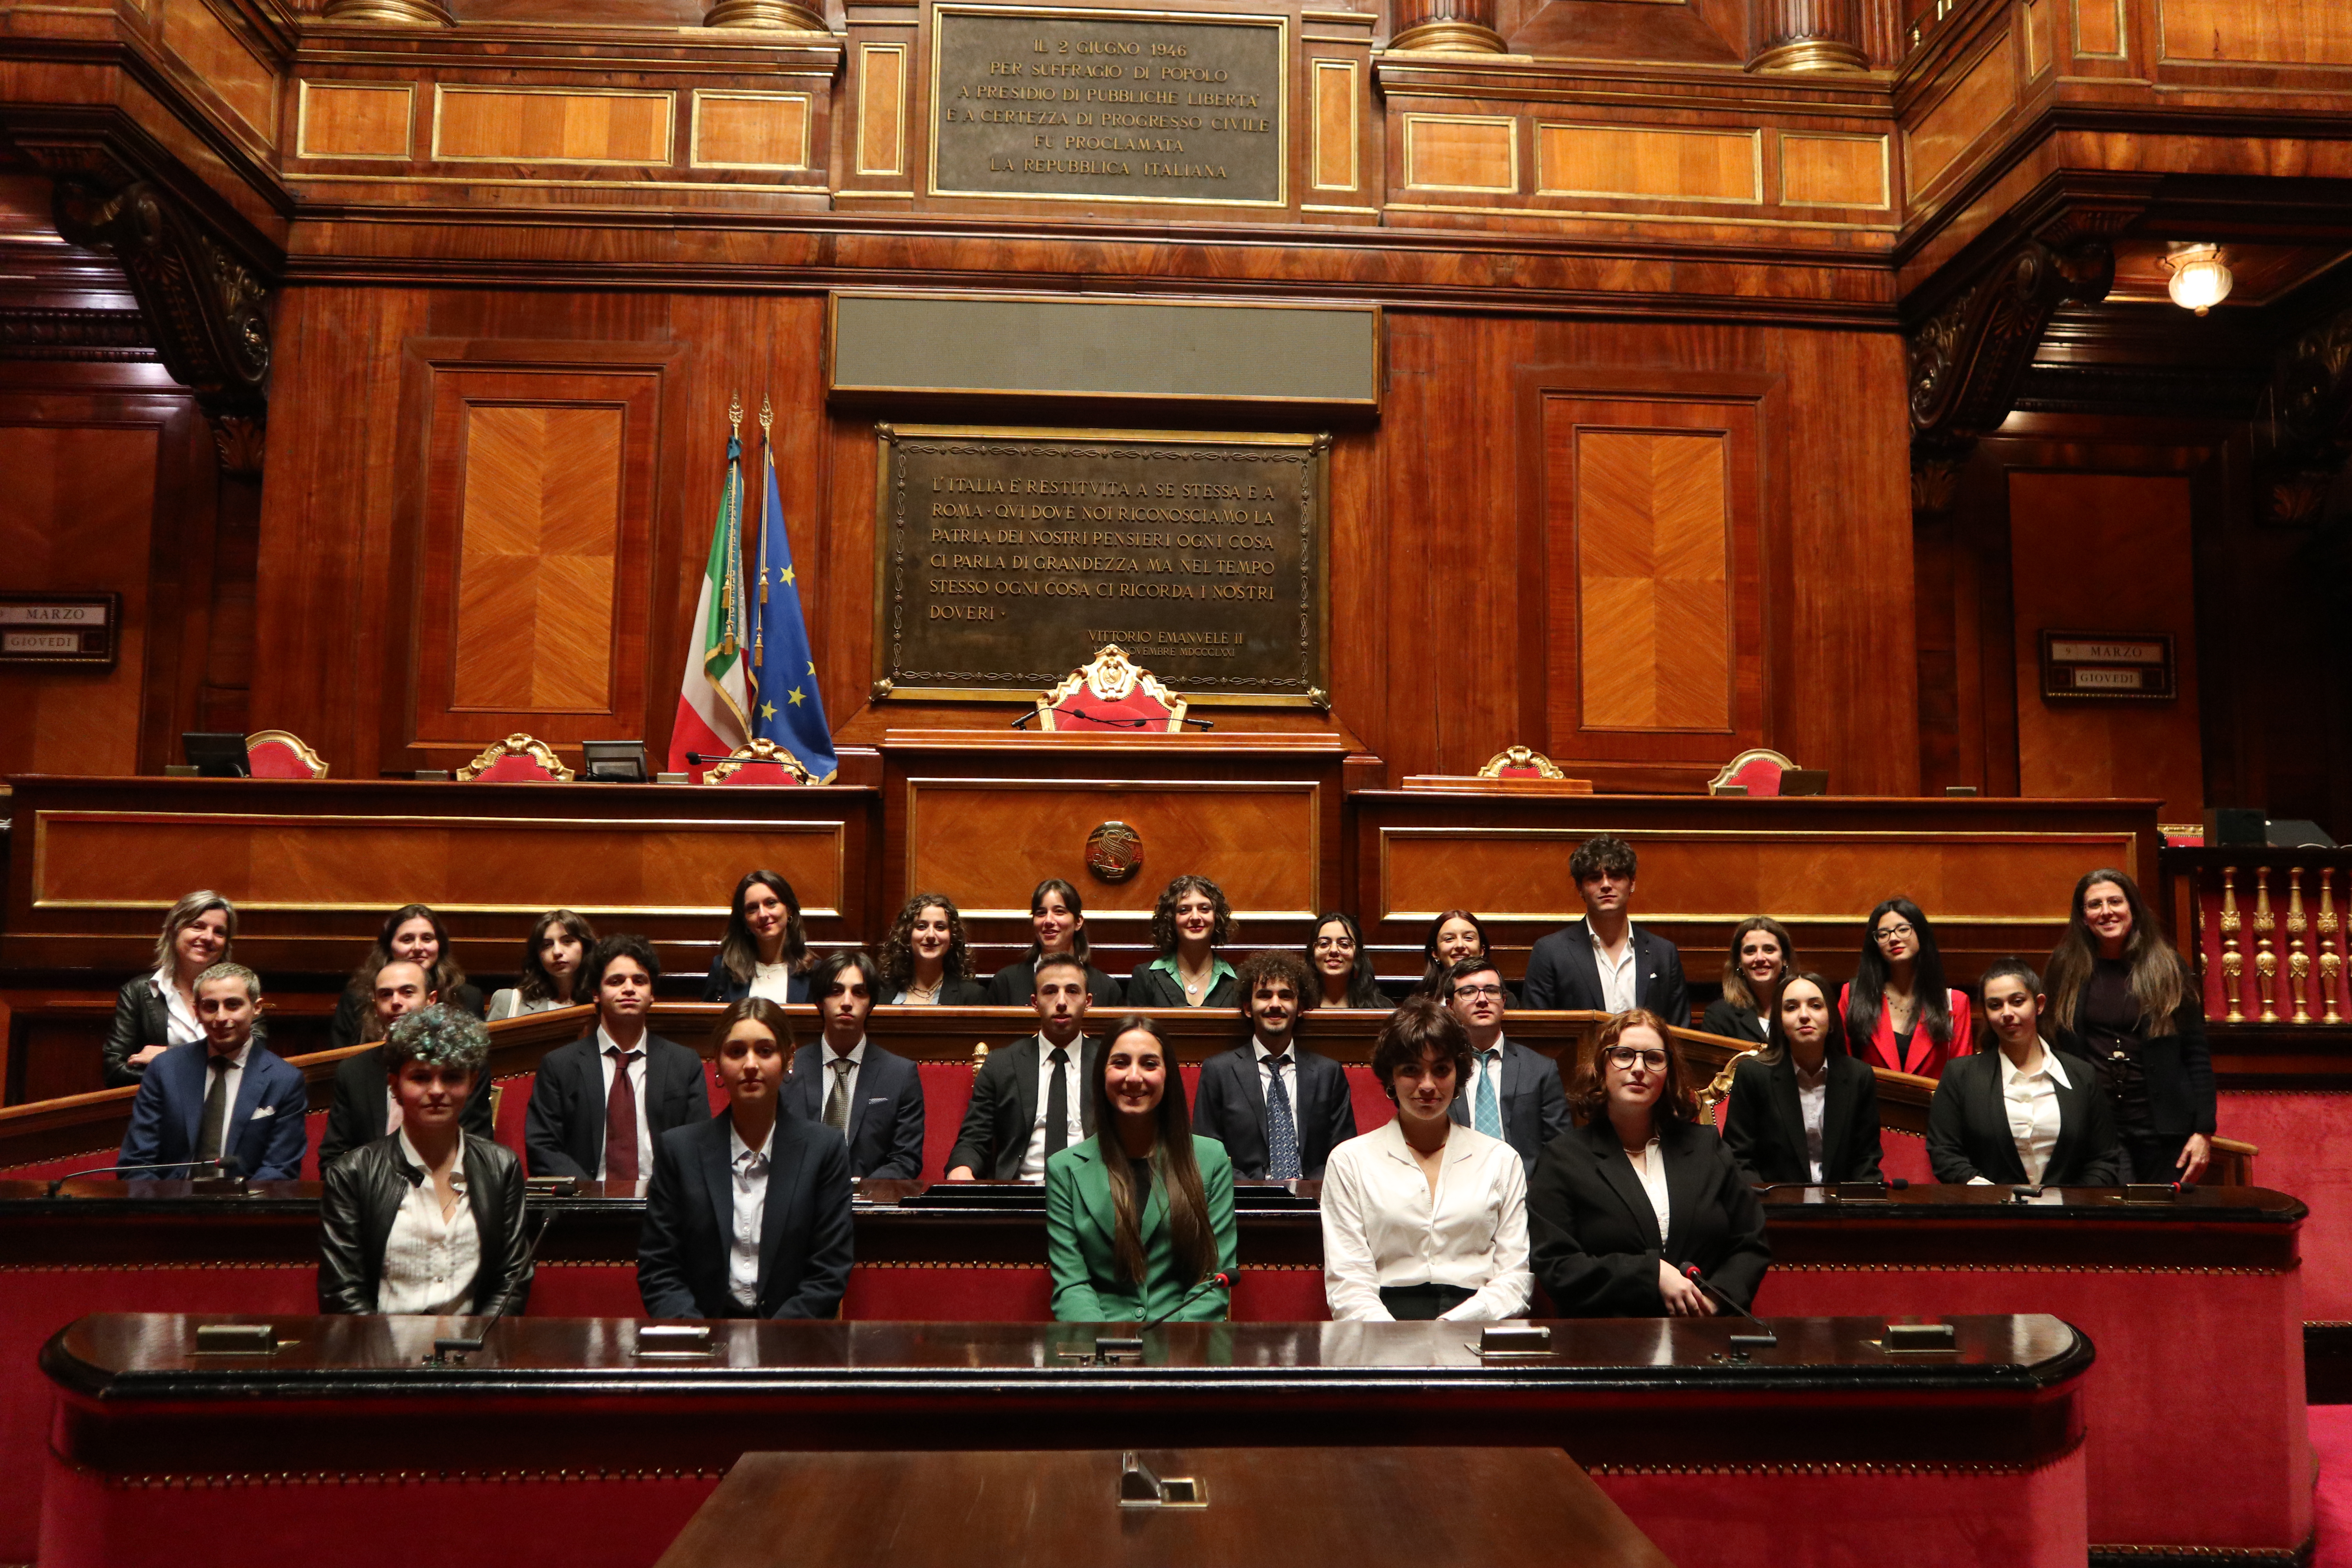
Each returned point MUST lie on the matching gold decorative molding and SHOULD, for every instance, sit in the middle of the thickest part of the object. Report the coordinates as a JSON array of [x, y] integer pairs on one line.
[[781, 16], [1812, 55], [388, 13], [1450, 36]]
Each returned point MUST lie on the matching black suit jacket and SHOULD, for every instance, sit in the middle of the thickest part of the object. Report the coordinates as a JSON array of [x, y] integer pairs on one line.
[[362, 1198], [356, 1117], [1737, 1023], [886, 1120], [1563, 973], [1535, 1106], [1230, 1106], [563, 1131], [1015, 984], [2180, 1068], [1004, 1110], [1593, 1237], [805, 1239], [1969, 1135], [1765, 1127]]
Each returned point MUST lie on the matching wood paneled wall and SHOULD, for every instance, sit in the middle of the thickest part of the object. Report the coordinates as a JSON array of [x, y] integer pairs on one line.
[[1448, 597]]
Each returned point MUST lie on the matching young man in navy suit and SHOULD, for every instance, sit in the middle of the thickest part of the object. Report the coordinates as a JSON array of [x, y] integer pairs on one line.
[[1604, 963], [622, 1079], [1515, 1094], [871, 1097], [1278, 1108], [222, 1096]]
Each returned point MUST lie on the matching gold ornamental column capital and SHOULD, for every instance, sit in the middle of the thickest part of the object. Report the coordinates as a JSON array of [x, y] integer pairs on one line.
[[777, 16], [389, 13], [1455, 26]]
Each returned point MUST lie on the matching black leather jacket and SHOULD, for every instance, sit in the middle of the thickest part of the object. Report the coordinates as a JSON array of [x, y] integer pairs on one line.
[[364, 1191], [143, 1019]]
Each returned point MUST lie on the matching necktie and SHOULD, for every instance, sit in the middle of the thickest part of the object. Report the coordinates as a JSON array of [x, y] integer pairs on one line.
[[1057, 1104], [1281, 1127], [1490, 1113], [837, 1101], [621, 1122], [216, 1124]]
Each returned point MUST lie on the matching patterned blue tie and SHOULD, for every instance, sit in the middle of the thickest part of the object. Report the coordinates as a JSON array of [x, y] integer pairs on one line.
[[1281, 1129], [1490, 1114]]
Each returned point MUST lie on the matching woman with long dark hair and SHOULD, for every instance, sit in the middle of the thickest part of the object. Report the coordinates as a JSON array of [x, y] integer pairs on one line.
[[1342, 969], [1057, 916], [1453, 935], [2121, 998], [1170, 1196], [765, 950], [926, 962], [412, 933], [1190, 921], [1899, 1015], [1762, 956], [558, 945], [2020, 1113], [1802, 1110]]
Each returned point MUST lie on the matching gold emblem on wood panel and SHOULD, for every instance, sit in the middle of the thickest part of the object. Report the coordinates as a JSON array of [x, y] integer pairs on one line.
[[1114, 851]]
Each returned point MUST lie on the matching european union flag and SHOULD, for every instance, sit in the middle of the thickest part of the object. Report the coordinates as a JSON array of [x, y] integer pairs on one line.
[[786, 706]]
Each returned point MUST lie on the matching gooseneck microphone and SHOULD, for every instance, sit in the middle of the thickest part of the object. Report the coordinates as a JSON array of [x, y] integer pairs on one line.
[[1764, 1340], [228, 1166], [467, 1344], [1890, 1184], [1213, 1280]]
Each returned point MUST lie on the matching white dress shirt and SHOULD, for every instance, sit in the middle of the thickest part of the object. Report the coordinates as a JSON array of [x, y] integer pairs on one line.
[[1619, 988], [1032, 1160], [605, 1044], [856, 1060], [771, 980], [429, 1262], [1812, 1104], [1487, 1063], [1651, 1170], [181, 1027], [2032, 1101], [1265, 1054], [1382, 1225], [751, 1169]]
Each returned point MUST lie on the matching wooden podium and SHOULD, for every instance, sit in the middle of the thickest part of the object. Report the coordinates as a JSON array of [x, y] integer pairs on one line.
[[984, 814]]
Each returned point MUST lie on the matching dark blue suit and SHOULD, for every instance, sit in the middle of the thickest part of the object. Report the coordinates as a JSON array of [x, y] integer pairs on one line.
[[805, 1238], [265, 1126], [886, 1120], [1533, 1104]]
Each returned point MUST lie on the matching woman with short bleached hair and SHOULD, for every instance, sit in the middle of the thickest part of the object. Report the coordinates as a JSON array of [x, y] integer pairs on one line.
[[156, 1011], [429, 1218]]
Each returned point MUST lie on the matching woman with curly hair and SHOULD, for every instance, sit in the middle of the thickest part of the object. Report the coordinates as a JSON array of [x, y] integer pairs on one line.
[[412, 933], [1190, 921], [925, 963]]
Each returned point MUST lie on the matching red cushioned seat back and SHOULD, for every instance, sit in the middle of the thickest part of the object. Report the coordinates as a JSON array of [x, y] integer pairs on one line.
[[1760, 775], [1373, 1107], [277, 760], [314, 1131], [1139, 709], [512, 1102], [947, 1094], [514, 767], [766, 775]]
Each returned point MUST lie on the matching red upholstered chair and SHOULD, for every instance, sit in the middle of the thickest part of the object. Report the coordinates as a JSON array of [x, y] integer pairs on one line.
[[1759, 770], [759, 763], [1110, 694], [282, 754], [518, 758], [1519, 763]]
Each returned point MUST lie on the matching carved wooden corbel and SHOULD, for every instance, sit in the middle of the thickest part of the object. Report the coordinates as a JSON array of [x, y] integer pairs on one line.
[[203, 304], [2303, 435]]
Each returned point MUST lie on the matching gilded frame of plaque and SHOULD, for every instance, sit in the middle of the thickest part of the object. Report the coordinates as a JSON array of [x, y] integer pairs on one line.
[[1299, 677], [943, 13]]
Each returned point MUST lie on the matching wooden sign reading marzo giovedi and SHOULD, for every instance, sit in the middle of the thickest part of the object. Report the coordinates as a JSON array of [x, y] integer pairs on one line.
[[1005, 558]]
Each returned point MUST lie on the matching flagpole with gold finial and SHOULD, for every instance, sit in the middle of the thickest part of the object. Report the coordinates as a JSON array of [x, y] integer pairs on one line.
[[767, 460], [729, 640]]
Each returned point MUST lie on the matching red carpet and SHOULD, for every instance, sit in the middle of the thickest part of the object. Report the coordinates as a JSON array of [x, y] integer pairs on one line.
[[2331, 1439]]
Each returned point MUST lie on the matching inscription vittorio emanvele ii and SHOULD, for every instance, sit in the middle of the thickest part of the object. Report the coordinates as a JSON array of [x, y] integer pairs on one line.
[[1105, 105], [1007, 558]]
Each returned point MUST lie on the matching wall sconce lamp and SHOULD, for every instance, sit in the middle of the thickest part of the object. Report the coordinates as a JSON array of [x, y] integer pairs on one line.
[[2200, 279]]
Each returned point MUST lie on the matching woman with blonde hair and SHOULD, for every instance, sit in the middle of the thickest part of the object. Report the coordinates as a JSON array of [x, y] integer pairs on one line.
[[156, 1011]]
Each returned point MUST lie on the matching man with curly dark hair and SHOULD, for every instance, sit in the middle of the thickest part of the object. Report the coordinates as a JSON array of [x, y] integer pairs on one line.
[[1279, 1109]]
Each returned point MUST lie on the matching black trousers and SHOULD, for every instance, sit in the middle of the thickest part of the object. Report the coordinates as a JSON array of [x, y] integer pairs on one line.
[[2150, 1156], [1421, 1303]]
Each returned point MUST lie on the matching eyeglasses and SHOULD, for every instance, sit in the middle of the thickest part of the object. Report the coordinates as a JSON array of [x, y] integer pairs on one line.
[[1888, 933], [1491, 992], [1626, 1056]]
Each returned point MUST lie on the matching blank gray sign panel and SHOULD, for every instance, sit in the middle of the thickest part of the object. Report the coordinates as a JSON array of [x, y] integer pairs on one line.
[[1107, 348]]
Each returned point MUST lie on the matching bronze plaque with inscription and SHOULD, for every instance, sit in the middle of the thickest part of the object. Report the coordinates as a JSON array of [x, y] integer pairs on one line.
[[1005, 557], [1118, 106]]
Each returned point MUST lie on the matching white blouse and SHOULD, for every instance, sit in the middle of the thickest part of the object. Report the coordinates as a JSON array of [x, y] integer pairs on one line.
[[1382, 1225], [1653, 1174], [181, 1028], [772, 981], [429, 1262]]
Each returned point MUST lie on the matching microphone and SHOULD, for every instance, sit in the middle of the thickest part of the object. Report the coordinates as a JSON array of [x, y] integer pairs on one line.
[[1224, 1279], [228, 1166], [467, 1345], [1890, 1183], [1764, 1340]]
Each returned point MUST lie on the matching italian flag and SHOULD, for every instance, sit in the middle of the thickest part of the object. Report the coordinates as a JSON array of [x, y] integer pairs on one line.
[[712, 696]]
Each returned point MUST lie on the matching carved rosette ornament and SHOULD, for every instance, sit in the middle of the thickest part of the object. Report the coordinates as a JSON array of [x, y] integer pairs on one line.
[[204, 305]]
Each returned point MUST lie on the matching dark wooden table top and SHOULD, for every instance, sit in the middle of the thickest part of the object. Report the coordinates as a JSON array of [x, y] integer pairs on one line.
[[1302, 1508]]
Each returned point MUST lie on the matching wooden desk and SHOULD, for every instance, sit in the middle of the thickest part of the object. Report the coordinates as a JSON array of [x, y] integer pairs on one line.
[[313, 865], [560, 1435], [1319, 1508], [1994, 874]]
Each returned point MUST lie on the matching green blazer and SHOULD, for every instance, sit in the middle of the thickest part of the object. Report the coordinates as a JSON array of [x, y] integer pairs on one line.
[[1079, 1225]]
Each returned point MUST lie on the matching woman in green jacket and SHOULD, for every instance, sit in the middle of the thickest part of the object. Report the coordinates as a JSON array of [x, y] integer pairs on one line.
[[1140, 1217]]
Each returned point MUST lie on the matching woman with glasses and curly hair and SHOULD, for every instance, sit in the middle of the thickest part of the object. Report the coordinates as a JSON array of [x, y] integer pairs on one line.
[[925, 963], [1627, 1213], [1190, 921]]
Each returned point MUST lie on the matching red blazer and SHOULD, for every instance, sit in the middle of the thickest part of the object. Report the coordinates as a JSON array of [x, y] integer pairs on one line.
[[1925, 1057]]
